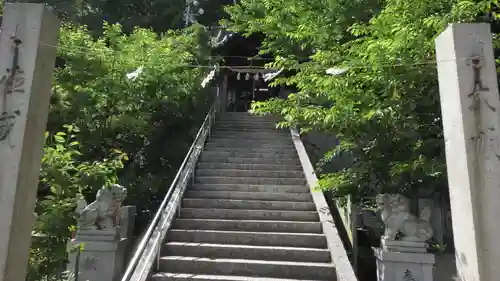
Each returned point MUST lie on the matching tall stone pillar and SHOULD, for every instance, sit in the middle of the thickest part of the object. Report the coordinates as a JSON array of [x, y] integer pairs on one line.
[[26, 66], [470, 107]]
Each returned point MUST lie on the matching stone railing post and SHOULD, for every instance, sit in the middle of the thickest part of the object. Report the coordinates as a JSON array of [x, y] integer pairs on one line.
[[224, 93], [127, 222]]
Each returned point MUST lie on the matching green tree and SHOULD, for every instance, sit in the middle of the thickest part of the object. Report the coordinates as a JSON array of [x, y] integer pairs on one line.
[[65, 175], [158, 15], [140, 116], [131, 130], [385, 107]]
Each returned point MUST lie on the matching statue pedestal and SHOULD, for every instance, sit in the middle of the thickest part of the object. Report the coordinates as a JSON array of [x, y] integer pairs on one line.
[[102, 256], [403, 261]]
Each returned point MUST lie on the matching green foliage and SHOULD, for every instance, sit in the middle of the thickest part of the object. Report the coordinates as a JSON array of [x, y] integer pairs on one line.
[[139, 117], [385, 108], [93, 92], [65, 175], [159, 15], [131, 131]]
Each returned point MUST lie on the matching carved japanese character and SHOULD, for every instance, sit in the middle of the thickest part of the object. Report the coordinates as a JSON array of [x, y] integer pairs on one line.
[[7, 122]]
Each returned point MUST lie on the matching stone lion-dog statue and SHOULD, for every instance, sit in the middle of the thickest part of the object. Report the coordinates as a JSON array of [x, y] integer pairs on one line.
[[396, 215], [104, 212]]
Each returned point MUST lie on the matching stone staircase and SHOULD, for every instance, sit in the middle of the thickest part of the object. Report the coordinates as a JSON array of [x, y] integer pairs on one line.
[[249, 215]]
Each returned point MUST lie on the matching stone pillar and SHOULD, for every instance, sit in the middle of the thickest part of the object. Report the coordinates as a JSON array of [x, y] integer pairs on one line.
[[223, 94], [26, 65], [100, 237], [436, 217], [127, 221], [470, 108]]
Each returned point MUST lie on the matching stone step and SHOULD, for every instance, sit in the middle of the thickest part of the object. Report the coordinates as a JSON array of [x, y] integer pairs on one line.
[[236, 116], [249, 225], [250, 154], [250, 167], [247, 160], [251, 118], [249, 128], [250, 149], [239, 214], [249, 131], [230, 114], [272, 144], [276, 239], [246, 204], [275, 269], [240, 195], [249, 180], [257, 139], [254, 118], [242, 118], [227, 251], [251, 188], [278, 138], [248, 173], [252, 135], [166, 276], [231, 144], [248, 123]]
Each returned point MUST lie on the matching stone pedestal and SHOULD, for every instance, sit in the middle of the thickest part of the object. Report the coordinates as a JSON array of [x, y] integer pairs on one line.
[[102, 256], [403, 261]]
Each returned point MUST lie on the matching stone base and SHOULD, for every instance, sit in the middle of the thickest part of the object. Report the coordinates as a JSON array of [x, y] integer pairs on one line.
[[404, 261], [98, 234], [99, 260], [403, 246]]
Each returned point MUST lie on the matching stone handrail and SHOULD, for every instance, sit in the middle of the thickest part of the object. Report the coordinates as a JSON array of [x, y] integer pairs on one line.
[[340, 259]]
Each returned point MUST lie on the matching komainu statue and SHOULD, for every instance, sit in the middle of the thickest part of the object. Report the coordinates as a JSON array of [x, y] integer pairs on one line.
[[104, 212], [396, 215]]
